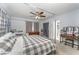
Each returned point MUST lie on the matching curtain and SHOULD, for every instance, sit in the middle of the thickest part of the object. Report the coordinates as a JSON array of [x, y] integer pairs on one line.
[[28, 26], [36, 27]]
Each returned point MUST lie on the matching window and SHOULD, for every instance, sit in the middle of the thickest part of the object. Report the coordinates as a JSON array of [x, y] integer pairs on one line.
[[3, 22]]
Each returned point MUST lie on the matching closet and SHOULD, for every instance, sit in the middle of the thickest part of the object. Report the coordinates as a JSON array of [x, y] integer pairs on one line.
[[32, 26]]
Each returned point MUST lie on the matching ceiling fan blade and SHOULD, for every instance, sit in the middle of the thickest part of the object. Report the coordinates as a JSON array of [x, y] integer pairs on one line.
[[42, 16], [32, 13], [32, 16], [41, 12]]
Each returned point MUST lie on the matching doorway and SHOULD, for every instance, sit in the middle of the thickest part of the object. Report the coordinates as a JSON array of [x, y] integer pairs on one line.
[[46, 29]]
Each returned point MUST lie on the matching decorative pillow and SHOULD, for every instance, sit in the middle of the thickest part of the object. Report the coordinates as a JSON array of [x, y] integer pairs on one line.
[[2, 39], [8, 35], [2, 51], [3, 48]]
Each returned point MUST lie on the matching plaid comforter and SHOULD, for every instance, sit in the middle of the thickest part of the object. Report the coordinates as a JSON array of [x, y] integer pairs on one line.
[[38, 45], [6, 45]]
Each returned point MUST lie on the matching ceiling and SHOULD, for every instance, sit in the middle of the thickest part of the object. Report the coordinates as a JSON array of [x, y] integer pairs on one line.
[[50, 9]]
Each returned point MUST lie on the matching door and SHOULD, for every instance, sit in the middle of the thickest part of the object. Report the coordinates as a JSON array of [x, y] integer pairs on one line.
[[46, 29], [57, 29]]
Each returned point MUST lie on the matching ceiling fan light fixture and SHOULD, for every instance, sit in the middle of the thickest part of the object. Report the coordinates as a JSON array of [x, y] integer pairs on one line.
[[0, 17], [37, 17]]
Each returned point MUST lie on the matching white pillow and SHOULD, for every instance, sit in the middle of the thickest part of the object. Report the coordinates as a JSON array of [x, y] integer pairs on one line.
[[1, 40], [13, 35], [6, 36], [2, 51]]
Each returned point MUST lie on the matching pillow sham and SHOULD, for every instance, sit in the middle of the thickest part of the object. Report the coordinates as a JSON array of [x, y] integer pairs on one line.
[[7, 36]]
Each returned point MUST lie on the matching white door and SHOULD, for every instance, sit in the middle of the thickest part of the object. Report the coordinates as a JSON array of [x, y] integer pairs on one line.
[[57, 29]]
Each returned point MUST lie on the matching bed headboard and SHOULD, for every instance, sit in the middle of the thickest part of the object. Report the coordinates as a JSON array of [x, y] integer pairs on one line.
[[33, 33]]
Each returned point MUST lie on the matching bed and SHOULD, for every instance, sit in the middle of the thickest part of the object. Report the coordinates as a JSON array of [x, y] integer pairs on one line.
[[27, 45], [38, 45]]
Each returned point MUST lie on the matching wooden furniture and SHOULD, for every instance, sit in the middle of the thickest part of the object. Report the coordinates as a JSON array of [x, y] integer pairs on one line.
[[69, 37], [62, 36], [77, 38], [33, 33]]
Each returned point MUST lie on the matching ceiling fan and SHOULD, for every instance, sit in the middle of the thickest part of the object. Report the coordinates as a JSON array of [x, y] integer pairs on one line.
[[38, 15]]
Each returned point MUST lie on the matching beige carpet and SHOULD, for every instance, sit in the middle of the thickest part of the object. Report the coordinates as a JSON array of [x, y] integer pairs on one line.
[[63, 49]]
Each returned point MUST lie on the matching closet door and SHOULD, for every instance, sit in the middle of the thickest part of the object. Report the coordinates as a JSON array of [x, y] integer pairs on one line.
[[28, 26], [36, 27]]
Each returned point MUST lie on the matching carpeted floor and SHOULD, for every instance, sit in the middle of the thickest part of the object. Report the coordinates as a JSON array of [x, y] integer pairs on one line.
[[63, 49]]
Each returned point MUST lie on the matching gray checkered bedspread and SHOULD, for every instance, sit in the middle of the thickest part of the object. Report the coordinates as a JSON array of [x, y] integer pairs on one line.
[[6, 46], [38, 45]]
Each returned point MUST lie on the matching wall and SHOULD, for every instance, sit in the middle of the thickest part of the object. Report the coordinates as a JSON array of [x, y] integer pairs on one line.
[[51, 27], [6, 18], [69, 19], [20, 24]]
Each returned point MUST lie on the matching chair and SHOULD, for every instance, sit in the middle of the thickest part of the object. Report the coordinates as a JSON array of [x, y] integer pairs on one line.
[[62, 36]]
